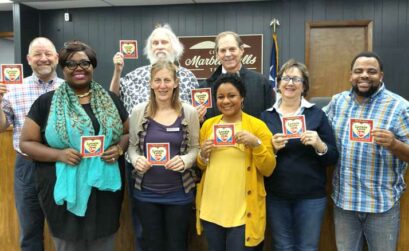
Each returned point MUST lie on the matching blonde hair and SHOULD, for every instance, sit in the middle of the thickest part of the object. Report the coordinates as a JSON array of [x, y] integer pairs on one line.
[[175, 102]]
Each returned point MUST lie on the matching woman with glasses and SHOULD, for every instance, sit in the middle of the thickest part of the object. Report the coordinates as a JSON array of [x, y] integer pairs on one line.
[[75, 135], [230, 199], [304, 144]]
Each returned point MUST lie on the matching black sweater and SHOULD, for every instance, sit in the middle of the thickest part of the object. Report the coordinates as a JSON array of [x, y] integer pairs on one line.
[[300, 172]]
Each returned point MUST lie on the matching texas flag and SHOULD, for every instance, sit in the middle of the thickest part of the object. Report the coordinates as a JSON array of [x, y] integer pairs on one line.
[[274, 62]]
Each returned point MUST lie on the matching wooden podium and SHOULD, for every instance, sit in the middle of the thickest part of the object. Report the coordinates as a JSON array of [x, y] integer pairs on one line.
[[9, 230]]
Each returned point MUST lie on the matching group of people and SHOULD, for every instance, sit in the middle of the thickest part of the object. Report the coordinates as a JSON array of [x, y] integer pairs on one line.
[[262, 177]]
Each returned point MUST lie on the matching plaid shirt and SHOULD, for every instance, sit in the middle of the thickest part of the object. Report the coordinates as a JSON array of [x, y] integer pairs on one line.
[[134, 88], [18, 100], [368, 178]]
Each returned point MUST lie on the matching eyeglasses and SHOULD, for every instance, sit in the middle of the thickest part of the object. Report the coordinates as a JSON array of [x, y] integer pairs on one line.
[[296, 80], [72, 65]]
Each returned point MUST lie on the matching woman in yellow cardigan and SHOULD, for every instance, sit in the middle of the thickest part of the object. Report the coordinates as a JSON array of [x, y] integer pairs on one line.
[[234, 158]]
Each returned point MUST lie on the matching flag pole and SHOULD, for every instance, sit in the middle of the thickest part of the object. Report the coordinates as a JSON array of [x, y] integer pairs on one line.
[[274, 24]]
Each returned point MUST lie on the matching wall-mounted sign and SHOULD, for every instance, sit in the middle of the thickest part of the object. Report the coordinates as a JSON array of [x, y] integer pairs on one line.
[[200, 57]]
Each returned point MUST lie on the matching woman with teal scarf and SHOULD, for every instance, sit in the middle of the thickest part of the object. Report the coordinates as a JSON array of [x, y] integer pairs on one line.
[[80, 187]]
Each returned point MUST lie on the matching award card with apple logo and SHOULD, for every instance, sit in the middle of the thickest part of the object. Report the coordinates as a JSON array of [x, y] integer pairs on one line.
[[360, 130], [224, 135], [129, 48], [293, 126], [202, 96], [92, 146], [158, 153], [12, 73]]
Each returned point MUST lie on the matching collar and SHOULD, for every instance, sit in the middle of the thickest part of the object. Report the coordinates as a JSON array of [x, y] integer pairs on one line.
[[146, 118], [39, 81], [238, 72], [304, 104]]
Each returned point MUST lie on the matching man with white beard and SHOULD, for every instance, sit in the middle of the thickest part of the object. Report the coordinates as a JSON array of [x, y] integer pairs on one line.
[[134, 88]]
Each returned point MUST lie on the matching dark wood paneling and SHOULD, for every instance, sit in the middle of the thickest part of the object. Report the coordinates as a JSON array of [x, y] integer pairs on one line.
[[26, 26], [103, 27]]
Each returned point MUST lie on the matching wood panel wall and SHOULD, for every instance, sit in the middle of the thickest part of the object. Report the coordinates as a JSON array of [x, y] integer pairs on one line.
[[103, 27]]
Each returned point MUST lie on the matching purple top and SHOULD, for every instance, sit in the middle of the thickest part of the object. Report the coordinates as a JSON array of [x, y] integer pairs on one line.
[[158, 179]]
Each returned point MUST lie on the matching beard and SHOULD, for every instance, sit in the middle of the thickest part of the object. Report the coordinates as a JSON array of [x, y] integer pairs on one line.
[[367, 93], [169, 57], [44, 70]]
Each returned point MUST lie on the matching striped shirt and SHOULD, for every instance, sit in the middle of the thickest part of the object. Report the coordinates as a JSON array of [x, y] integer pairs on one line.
[[368, 178], [18, 100]]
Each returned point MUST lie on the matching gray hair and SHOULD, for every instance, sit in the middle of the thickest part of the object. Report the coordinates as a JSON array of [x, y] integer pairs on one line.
[[226, 33], [39, 40], [176, 45]]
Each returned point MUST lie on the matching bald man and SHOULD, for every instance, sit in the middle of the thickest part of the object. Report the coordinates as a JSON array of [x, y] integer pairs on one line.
[[15, 102]]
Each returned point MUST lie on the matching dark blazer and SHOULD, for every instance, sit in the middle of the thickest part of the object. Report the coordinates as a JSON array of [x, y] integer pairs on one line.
[[258, 98]]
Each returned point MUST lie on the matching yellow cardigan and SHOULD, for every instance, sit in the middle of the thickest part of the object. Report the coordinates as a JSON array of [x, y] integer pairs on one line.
[[260, 161]]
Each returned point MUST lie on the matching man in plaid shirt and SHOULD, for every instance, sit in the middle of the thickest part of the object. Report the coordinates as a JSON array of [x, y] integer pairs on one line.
[[371, 126], [15, 102]]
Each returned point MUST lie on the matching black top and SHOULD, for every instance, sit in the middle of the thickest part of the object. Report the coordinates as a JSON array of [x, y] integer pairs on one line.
[[102, 216], [259, 95], [300, 172]]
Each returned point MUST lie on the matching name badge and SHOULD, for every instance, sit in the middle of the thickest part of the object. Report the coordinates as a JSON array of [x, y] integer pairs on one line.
[[173, 129]]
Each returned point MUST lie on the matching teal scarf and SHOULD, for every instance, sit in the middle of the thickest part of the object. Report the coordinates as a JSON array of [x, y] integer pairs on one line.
[[67, 122]]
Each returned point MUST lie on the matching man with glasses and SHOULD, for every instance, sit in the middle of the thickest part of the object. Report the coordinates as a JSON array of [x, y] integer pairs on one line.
[[229, 50], [371, 126], [15, 102]]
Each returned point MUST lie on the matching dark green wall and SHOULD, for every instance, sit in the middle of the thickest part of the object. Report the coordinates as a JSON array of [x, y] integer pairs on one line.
[[103, 27], [6, 21]]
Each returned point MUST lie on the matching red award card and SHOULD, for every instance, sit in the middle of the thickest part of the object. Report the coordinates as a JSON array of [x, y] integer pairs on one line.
[[158, 153], [129, 48], [360, 130], [12, 73], [92, 146], [293, 126], [202, 96], [224, 135]]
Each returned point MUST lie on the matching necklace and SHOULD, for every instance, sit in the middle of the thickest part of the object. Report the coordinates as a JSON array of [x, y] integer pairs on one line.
[[85, 94]]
